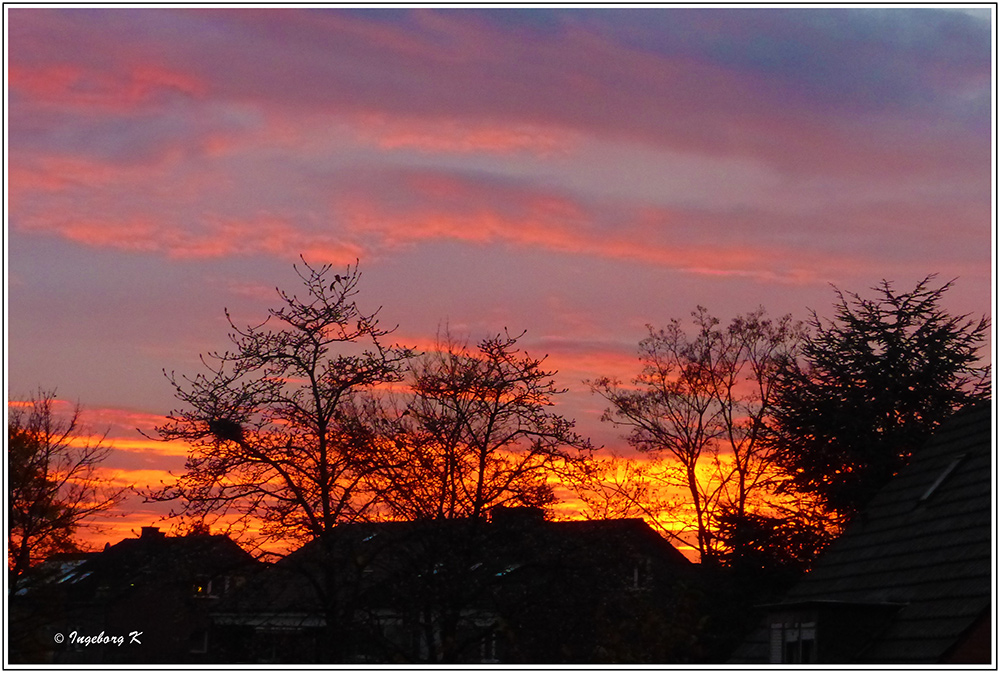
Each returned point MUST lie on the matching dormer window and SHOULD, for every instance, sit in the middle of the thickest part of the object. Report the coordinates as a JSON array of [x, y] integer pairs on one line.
[[847, 628], [793, 642]]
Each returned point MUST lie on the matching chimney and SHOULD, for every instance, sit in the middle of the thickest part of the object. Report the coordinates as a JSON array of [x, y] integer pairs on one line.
[[151, 533]]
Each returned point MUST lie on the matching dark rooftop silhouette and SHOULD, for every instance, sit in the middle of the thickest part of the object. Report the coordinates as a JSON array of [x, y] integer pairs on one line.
[[909, 582]]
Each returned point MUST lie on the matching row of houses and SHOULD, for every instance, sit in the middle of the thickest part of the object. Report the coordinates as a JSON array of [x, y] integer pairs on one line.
[[517, 588], [909, 582]]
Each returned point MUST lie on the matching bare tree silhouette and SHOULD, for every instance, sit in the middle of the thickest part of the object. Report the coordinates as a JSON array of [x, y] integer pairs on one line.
[[701, 401], [54, 485], [279, 432], [277, 426], [477, 433]]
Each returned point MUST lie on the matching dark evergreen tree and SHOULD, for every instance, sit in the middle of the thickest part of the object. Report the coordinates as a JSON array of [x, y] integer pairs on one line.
[[874, 384]]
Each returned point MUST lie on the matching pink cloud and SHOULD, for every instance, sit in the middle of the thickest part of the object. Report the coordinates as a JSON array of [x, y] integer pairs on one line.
[[444, 208], [55, 174], [495, 85], [77, 85], [371, 211], [457, 136]]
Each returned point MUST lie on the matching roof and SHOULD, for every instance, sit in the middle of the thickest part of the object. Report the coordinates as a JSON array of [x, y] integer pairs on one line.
[[382, 560], [155, 559], [56, 569], [924, 542]]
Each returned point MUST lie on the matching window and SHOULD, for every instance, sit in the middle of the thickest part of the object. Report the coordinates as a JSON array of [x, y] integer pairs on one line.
[[198, 642], [488, 648], [212, 588], [793, 643], [639, 577]]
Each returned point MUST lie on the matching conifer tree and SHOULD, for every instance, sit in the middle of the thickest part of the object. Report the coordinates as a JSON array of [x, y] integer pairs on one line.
[[874, 383]]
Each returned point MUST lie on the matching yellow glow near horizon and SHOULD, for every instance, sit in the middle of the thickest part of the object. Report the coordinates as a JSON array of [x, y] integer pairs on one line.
[[679, 521]]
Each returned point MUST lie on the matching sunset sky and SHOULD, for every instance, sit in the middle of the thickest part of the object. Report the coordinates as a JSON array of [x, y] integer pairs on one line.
[[573, 173]]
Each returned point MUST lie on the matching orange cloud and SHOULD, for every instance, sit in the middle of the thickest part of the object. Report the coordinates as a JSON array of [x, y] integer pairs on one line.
[[215, 238], [591, 363], [139, 477], [147, 447], [127, 418]]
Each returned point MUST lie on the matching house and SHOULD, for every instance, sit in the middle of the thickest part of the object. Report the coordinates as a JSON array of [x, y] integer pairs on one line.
[[909, 582], [514, 589], [143, 600]]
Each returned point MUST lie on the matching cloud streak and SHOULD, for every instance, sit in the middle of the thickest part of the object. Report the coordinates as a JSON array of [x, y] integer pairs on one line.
[[822, 82]]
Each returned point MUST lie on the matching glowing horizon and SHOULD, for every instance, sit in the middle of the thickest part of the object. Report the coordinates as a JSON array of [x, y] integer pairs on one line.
[[132, 455]]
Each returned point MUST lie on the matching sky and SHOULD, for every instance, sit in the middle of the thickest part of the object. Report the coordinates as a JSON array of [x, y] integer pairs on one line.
[[575, 173]]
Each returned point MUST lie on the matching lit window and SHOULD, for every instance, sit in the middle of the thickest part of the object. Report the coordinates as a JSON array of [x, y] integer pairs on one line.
[[211, 588]]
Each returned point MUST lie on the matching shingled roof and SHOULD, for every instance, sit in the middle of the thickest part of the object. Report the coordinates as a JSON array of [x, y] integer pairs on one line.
[[919, 556]]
